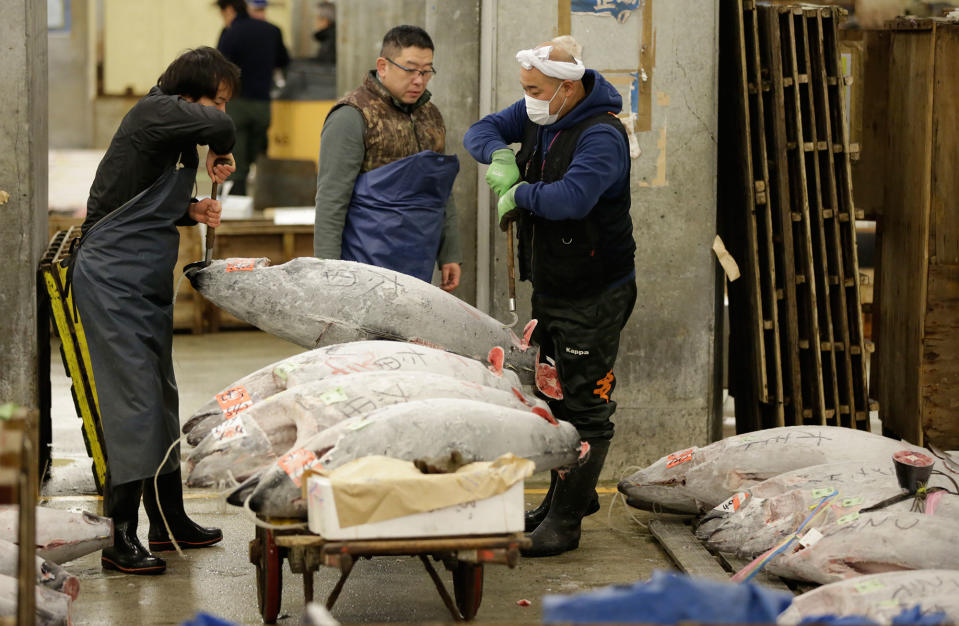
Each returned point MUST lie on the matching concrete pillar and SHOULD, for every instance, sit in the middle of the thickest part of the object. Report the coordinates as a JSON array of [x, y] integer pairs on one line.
[[23, 190]]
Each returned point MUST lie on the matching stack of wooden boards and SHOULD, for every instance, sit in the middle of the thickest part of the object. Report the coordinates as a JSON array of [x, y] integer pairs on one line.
[[797, 349]]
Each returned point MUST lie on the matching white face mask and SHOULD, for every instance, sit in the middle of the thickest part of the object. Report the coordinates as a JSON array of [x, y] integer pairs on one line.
[[538, 110]]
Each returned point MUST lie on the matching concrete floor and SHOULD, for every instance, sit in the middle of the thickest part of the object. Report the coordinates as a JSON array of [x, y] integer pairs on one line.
[[615, 547]]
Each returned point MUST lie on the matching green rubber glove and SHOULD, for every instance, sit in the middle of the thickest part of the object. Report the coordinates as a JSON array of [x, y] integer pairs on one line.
[[506, 207], [503, 172]]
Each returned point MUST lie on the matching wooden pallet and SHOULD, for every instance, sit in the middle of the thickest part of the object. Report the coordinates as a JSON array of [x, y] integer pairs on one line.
[[798, 235]]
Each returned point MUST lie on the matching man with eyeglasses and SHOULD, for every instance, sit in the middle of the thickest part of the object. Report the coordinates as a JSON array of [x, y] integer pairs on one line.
[[384, 186]]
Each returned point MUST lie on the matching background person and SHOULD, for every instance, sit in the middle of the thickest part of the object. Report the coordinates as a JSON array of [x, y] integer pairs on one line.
[[384, 186], [256, 46], [122, 282], [569, 188]]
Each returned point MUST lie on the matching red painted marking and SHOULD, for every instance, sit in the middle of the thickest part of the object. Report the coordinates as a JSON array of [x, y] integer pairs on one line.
[[496, 358], [520, 396], [523, 602], [240, 265], [546, 415]]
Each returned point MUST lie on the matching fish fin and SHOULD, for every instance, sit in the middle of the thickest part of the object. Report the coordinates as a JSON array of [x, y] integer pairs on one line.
[[496, 358], [583, 451], [546, 415]]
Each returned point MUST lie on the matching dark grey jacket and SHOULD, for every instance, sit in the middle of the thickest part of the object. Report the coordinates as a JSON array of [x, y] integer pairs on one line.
[[152, 136]]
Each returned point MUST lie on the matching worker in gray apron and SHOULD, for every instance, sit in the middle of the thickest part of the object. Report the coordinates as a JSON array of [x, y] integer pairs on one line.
[[123, 286]]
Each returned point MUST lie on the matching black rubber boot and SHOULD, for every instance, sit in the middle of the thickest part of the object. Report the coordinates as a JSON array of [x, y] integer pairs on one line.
[[127, 554], [559, 531], [188, 534], [534, 517]]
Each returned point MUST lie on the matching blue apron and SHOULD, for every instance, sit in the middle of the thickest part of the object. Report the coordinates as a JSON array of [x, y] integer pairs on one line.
[[123, 289], [395, 218]]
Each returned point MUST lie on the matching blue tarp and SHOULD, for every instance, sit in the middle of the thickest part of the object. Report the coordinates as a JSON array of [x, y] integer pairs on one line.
[[668, 598]]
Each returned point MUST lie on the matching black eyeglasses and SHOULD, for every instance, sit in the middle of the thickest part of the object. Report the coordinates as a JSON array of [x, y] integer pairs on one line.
[[427, 74]]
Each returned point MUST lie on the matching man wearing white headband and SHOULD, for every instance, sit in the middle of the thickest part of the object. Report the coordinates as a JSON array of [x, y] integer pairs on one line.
[[568, 189]]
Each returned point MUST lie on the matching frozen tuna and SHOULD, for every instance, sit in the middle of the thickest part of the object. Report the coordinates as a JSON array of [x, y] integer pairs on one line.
[[871, 543], [772, 510], [52, 607], [339, 360], [253, 439], [49, 574], [61, 535], [698, 479], [881, 597], [318, 302], [477, 431]]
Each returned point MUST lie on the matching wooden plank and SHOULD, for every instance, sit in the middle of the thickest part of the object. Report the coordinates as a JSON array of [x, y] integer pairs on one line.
[[845, 383], [746, 373], [945, 146], [828, 21], [940, 359], [764, 228], [783, 217], [686, 551], [823, 260], [802, 236], [905, 232], [870, 167]]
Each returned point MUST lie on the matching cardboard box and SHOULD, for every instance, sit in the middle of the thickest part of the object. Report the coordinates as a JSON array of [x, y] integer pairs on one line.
[[500, 514]]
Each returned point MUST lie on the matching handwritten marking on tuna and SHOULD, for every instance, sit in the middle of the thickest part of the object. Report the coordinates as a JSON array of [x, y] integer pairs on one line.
[[677, 458], [234, 400], [241, 265], [340, 278]]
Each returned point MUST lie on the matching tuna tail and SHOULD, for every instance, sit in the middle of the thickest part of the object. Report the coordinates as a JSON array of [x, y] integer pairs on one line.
[[523, 344], [194, 273], [239, 495]]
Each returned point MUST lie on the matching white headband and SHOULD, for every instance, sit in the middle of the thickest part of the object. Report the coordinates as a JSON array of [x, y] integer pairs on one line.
[[539, 58]]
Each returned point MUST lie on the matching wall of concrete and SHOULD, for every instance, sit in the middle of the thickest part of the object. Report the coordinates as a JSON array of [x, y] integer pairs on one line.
[[667, 386], [71, 78], [23, 191]]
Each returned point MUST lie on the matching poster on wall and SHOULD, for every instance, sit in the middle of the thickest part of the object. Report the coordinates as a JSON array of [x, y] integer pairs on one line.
[[618, 9], [58, 15]]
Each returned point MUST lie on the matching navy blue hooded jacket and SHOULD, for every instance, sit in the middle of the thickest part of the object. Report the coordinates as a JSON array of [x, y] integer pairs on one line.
[[600, 167]]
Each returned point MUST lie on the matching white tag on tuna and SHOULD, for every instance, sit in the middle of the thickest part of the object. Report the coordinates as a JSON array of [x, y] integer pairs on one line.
[[732, 505], [232, 428], [811, 538]]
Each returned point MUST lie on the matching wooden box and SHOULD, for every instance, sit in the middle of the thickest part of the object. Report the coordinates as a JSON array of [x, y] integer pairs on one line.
[[917, 278]]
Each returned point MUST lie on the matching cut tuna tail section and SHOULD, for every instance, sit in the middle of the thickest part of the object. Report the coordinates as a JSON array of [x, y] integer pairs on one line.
[[523, 344]]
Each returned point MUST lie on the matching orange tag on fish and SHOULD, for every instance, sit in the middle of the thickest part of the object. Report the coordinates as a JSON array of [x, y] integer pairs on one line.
[[240, 265], [677, 458], [234, 400], [295, 462], [732, 505]]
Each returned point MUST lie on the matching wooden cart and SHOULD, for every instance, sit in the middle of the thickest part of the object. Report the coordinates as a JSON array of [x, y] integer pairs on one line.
[[464, 556]]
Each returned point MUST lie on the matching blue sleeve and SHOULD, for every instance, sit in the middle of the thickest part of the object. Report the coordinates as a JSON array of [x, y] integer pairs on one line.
[[496, 131], [600, 165]]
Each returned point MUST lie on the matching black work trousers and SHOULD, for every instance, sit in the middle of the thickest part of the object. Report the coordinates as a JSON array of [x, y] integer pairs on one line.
[[581, 338]]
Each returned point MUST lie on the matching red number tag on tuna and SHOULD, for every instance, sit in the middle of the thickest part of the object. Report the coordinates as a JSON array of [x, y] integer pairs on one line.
[[295, 462], [234, 400], [240, 265], [732, 505], [676, 458]]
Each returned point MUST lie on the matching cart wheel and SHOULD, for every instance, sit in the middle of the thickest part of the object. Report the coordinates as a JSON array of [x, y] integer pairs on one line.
[[468, 588], [266, 557]]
